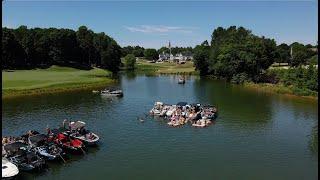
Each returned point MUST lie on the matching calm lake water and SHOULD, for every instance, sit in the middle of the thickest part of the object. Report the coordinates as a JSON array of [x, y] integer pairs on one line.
[[256, 136]]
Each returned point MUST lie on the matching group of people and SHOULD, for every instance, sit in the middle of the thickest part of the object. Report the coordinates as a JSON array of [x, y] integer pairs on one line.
[[9, 139], [183, 113]]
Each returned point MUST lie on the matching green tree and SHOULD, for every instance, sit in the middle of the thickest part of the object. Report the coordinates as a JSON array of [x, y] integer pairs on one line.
[[129, 61], [283, 53], [85, 39], [138, 51], [201, 57], [13, 55], [151, 54], [237, 51]]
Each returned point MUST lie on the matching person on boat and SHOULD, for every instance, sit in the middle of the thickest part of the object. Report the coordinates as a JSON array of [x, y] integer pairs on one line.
[[181, 120], [82, 131], [5, 140]]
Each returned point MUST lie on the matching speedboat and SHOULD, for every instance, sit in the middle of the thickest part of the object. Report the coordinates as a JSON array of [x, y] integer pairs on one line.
[[79, 132], [9, 170], [210, 112], [41, 146], [181, 81], [157, 109], [171, 110], [19, 154], [69, 144], [65, 142], [115, 93]]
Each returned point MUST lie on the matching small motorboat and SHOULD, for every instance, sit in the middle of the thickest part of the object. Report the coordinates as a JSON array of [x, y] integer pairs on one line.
[[95, 91], [19, 154], [9, 170], [171, 110], [201, 123], [44, 148], [69, 144], [181, 81], [114, 93], [157, 109], [79, 132]]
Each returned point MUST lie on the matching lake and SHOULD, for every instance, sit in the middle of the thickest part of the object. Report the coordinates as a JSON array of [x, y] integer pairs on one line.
[[256, 135]]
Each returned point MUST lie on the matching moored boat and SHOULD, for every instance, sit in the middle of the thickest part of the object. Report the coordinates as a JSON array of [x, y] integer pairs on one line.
[[79, 132], [109, 92], [19, 154], [45, 148], [9, 170], [67, 143]]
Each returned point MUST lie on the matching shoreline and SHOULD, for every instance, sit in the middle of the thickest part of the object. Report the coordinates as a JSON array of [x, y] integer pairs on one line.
[[55, 89], [276, 89]]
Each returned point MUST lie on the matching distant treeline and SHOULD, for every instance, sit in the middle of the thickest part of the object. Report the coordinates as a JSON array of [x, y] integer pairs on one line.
[[138, 51], [236, 53], [24, 48]]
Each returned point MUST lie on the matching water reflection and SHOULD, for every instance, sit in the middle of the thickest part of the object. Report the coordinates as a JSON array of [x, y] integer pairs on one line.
[[314, 140], [235, 105]]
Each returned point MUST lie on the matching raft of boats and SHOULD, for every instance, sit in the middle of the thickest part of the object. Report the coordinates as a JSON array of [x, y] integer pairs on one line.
[[31, 151], [183, 113]]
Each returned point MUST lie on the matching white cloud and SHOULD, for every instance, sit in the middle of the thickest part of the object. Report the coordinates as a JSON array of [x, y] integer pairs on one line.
[[160, 29]]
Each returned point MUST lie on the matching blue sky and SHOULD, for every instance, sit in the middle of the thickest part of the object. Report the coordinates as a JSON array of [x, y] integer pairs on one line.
[[153, 24]]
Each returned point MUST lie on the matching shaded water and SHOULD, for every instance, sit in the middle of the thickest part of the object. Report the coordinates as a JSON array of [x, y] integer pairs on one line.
[[256, 136]]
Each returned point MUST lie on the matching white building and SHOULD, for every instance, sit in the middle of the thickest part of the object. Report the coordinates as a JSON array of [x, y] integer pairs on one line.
[[174, 58]]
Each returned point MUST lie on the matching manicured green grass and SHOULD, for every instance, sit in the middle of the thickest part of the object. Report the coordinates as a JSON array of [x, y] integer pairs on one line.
[[165, 67], [53, 79]]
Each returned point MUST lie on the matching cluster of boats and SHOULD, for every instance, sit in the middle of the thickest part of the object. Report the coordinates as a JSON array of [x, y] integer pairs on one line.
[[110, 92], [183, 113], [31, 151]]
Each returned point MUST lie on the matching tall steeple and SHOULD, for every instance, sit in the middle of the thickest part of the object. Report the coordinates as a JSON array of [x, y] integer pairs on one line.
[[169, 47]]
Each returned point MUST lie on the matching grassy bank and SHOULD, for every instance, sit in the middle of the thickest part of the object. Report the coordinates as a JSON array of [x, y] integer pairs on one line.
[[281, 89], [143, 66], [51, 80]]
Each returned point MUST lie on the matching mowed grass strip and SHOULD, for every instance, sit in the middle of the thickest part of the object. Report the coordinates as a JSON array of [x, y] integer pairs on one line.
[[52, 79], [166, 67]]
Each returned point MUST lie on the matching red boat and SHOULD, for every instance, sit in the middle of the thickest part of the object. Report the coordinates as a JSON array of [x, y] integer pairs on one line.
[[67, 143]]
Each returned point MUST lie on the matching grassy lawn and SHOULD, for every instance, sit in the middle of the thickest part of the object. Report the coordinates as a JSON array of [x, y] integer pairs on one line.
[[55, 78], [165, 67]]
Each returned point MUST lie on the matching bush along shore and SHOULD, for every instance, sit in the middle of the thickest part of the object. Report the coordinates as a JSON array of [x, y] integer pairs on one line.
[[295, 81]]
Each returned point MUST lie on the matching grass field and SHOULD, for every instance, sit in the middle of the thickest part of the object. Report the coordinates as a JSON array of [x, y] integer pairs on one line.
[[53, 79], [165, 67]]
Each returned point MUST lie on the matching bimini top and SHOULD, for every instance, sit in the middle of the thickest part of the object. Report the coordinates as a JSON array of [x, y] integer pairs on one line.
[[38, 138], [14, 146], [182, 103], [77, 125], [208, 106]]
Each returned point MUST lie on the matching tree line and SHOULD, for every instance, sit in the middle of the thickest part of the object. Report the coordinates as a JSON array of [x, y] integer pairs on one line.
[[24, 48], [153, 54], [236, 53]]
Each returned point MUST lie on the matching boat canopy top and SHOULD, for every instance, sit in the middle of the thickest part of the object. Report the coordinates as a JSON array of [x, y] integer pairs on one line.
[[14, 146], [182, 103], [77, 125], [38, 138], [159, 103]]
